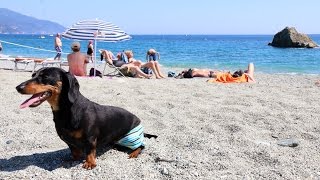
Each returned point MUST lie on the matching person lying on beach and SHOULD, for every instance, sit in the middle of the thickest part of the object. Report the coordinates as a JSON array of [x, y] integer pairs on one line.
[[77, 61], [220, 76], [239, 76], [153, 65], [131, 70], [193, 72]]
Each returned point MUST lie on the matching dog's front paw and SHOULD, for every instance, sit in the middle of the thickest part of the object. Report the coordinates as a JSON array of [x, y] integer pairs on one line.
[[89, 165]]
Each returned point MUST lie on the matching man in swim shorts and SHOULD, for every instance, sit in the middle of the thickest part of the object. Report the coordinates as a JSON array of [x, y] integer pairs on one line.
[[58, 46]]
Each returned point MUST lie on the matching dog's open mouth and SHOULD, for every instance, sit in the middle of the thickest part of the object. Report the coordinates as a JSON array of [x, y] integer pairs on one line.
[[36, 99]]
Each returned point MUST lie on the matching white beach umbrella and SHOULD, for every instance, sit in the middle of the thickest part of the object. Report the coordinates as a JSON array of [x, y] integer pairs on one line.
[[96, 30]]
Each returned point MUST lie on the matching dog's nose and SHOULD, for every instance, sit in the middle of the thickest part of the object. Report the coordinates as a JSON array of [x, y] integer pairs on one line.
[[20, 88]]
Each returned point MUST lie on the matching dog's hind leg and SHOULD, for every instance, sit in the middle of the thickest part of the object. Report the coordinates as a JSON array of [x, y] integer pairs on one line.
[[135, 153]]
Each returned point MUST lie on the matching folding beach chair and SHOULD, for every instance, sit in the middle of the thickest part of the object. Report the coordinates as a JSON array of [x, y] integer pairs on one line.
[[115, 70], [46, 62]]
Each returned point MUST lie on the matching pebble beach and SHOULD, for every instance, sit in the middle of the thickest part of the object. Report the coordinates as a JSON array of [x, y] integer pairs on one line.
[[264, 130]]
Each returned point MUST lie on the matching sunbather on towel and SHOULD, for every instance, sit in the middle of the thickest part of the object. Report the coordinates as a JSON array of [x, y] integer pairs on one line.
[[237, 77], [220, 76], [153, 65], [193, 72]]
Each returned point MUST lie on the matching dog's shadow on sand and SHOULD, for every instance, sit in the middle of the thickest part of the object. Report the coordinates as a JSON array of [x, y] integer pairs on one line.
[[48, 160]]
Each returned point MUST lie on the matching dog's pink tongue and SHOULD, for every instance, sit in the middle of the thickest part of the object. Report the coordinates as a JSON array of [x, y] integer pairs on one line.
[[28, 102]]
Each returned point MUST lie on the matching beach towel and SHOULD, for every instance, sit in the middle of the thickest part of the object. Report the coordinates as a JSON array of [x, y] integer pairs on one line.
[[133, 139], [228, 78]]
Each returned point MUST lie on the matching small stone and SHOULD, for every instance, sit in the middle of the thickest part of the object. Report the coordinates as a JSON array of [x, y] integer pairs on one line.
[[165, 171], [274, 136], [9, 142], [288, 142]]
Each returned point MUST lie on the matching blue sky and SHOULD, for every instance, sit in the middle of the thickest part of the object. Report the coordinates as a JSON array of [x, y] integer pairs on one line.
[[180, 16]]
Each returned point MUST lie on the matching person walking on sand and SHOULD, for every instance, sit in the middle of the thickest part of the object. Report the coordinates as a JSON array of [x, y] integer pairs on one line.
[[58, 46], [77, 61], [0, 47]]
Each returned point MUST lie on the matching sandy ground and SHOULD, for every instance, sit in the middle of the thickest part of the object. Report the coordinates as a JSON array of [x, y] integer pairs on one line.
[[206, 130]]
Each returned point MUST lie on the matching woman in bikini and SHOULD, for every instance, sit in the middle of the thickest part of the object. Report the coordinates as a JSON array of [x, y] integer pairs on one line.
[[90, 50]]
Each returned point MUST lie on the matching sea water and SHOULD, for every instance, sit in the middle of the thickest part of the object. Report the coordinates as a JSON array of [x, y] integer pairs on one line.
[[225, 52]]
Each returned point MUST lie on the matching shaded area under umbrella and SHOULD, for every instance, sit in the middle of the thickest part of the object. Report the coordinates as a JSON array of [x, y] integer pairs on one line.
[[96, 30]]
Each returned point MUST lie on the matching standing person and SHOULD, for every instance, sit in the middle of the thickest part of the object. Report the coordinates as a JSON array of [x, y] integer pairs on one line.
[[0, 47], [58, 46], [77, 61], [90, 49]]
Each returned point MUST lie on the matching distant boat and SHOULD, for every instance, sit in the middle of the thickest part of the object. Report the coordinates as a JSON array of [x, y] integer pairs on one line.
[[42, 37], [51, 35]]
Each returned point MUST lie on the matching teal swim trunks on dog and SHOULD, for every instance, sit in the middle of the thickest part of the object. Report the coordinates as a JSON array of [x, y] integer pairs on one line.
[[133, 139]]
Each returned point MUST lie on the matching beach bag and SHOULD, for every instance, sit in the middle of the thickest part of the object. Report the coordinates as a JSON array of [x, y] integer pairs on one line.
[[98, 73], [171, 74]]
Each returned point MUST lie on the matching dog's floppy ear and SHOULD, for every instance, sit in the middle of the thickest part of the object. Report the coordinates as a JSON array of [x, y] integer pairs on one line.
[[70, 86]]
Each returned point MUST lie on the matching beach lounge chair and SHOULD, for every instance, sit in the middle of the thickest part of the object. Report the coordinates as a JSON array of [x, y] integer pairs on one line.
[[46, 62], [22, 61], [114, 70]]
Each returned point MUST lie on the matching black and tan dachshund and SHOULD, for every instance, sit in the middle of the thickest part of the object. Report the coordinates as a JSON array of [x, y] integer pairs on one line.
[[79, 122]]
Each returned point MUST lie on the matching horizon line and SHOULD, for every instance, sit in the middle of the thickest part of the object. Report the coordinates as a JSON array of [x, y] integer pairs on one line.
[[195, 34]]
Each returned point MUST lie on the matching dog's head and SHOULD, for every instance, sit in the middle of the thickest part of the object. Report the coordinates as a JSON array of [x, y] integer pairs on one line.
[[50, 84]]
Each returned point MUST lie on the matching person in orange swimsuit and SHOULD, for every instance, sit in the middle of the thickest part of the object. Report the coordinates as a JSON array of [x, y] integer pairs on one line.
[[237, 77]]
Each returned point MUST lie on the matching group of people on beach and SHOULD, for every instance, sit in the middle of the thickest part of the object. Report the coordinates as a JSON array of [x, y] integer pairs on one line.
[[132, 67]]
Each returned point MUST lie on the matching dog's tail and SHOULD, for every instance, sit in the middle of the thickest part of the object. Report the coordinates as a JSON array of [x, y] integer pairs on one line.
[[150, 135]]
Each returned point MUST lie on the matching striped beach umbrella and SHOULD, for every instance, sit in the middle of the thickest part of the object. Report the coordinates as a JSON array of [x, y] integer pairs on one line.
[[96, 30]]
